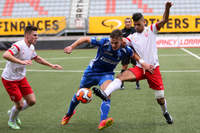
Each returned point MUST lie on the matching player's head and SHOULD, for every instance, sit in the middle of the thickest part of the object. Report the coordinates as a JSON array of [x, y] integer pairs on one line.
[[116, 39], [31, 34], [138, 21], [128, 23]]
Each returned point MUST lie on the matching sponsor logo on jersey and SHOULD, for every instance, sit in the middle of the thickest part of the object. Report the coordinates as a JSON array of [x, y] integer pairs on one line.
[[108, 61]]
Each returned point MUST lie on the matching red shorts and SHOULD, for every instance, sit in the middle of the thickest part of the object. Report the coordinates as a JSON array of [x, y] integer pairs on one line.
[[17, 89], [154, 80]]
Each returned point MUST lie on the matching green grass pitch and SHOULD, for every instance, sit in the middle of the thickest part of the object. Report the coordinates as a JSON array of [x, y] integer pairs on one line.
[[133, 111]]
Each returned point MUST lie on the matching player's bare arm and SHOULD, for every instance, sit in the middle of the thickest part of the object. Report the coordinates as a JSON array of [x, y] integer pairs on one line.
[[80, 41], [165, 15], [42, 61], [145, 66], [124, 42], [8, 56]]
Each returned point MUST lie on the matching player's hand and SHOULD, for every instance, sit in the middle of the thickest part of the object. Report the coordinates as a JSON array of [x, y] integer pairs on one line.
[[56, 66], [168, 4], [124, 42], [26, 62], [68, 50], [147, 67]]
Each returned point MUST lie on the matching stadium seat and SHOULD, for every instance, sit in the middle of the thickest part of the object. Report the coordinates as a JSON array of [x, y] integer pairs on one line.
[[34, 8], [147, 7]]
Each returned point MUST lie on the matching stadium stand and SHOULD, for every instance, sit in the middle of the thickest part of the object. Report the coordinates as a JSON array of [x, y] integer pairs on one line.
[[40, 8], [148, 7], [34, 8]]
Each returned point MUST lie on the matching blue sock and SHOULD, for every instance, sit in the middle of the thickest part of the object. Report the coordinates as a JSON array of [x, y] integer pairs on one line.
[[105, 108], [73, 104]]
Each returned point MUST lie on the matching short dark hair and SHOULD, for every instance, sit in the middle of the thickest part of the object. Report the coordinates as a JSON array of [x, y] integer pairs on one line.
[[116, 34], [127, 18], [29, 29], [137, 16]]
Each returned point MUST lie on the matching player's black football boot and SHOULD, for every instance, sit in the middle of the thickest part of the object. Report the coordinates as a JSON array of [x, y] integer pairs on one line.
[[168, 118], [98, 92]]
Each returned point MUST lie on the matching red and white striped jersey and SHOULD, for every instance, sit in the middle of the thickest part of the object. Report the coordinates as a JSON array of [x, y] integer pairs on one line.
[[14, 71], [145, 44]]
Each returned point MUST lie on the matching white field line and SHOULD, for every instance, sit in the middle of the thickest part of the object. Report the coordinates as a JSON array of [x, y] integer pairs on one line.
[[59, 58], [81, 71], [189, 52], [69, 58], [172, 55]]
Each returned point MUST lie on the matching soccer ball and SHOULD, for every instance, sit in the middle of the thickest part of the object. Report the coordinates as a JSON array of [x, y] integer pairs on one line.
[[84, 95]]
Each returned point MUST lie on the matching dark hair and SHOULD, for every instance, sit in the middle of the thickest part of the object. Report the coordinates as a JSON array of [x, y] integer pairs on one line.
[[137, 16], [116, 34], [29, 29], [127, 18]]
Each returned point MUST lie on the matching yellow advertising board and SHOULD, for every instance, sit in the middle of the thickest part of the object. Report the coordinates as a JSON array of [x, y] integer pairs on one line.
[[177, 23], [45, 25]]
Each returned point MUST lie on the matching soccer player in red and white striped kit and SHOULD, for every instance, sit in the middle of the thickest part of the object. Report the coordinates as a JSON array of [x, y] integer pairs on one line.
[[144, 43], [14, 75]]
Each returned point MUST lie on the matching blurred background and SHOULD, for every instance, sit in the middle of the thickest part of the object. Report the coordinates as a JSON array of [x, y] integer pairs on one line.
[[61, 22]]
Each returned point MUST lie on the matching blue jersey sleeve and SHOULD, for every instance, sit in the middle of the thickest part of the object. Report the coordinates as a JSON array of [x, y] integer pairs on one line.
[[97, 41], [129, 50]]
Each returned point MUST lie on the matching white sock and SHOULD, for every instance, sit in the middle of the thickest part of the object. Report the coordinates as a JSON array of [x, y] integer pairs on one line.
[[114, 85], [14, 113], [25, 106], [164, 107]]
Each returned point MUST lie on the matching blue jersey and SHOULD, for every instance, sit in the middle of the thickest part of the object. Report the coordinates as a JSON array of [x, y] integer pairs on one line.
[[106, 59]]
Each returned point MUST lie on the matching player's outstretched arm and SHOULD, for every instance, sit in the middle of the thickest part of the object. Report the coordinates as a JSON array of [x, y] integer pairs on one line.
[[161, 23], [8, 56], [80, 41], [42, 61], [145, 66]]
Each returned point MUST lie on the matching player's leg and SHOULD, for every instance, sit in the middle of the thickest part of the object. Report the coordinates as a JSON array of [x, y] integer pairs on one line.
[[14, 122], [133, 62], [20, 106], [163, 104], [27, 92], [156, 83], [71, 110], [105, 106], [14, 92], [30, 100], [86, 82], [124, 67], [125, 61], [137, 85], [129, 75], [116, 84]]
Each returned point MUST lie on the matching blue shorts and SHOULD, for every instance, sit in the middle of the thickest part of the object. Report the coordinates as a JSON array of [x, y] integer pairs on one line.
[[88, 81]]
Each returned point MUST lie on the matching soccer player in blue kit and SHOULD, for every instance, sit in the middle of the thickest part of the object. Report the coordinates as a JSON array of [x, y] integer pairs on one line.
[[100, 70]]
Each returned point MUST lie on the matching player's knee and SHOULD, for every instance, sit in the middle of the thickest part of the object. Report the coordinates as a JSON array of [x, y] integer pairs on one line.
[[161, 101], [125, 67], [119, 76], [159, 95], [31, 102], [20, 106]]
